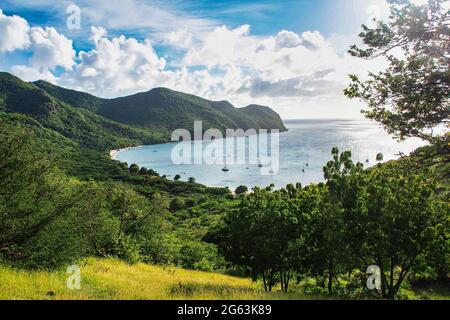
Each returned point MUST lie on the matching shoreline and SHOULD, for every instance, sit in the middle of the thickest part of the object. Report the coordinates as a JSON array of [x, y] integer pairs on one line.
[[114, 152]]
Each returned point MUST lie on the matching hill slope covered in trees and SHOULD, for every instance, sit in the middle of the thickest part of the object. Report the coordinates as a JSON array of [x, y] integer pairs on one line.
[[167, 110]]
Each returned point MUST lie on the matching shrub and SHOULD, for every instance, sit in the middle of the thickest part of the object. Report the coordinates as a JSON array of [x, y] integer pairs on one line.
[[241, 189], [134, 168], [176, 204]]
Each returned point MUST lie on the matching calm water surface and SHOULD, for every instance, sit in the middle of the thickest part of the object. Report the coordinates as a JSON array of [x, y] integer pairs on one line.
[[307, 142]]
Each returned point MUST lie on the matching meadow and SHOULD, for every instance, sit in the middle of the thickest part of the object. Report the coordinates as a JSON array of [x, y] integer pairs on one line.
[[113, 279]]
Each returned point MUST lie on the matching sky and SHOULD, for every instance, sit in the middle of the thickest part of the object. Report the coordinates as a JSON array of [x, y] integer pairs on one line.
[[286, 54]]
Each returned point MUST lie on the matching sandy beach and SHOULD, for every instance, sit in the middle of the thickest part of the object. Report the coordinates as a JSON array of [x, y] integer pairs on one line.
[[113, 153]]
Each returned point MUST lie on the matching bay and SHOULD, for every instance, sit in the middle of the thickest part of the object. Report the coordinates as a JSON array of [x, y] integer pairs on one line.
[[303, 152]]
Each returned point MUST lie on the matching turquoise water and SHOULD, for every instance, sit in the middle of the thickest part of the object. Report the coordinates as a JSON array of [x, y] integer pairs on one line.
[[305, 147]]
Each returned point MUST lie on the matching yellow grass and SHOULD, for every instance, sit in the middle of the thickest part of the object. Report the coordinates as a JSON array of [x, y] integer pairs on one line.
[[114, 279]]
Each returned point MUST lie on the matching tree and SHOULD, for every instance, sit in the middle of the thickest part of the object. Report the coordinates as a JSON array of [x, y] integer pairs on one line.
[[329, 226], [379, 157], [261, 235], [393, 223], [134, 168], [143, 171], [176, 204], [42, 221], [177, 177], [241, 190], [191, 180], [411, 97]]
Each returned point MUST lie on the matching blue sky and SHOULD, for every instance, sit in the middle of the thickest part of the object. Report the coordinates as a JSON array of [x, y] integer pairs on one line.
[[265, 17], [288, 54]]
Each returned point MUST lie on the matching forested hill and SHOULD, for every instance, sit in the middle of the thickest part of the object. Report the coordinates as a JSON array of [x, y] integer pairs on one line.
[[166, 110]]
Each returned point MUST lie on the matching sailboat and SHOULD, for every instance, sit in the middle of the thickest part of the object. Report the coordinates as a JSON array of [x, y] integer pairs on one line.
[[307, 160], [303, 169], [225, 169]]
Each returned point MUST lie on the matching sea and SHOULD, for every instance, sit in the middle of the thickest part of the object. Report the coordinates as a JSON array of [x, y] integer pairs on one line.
[[301, 153]]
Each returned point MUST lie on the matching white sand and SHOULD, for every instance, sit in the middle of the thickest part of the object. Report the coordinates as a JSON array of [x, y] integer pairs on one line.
[[113, 153]]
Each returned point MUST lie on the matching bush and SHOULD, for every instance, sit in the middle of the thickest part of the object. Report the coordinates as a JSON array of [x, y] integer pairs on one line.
[[176, 204], [143, 171], [134, 168], [241, 189]]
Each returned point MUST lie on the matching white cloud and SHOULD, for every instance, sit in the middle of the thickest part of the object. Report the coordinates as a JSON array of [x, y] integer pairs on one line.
[[180, 38], [158, 17], [115, 66], [288, 71], [32, 74], [50, 49], [13, 32]]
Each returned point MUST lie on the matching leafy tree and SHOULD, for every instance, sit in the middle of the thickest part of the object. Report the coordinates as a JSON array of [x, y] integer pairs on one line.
[[329, 226], [260, 235], [411, 97], [393, 223], [134, 168], [177, 177], [386, 220], [191, 180], [176, 204], [241, 190], [143, 171], [379, 157]]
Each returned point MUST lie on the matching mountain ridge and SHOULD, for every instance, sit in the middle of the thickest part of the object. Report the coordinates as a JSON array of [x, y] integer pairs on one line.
[[143, 118], [168, 109]]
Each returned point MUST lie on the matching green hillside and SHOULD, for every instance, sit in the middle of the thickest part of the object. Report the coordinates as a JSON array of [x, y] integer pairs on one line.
[[167, 110], [79, 125]]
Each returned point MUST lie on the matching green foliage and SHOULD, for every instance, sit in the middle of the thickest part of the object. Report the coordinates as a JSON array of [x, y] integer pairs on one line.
[[168, 110], [191, 180], [241, 190], [134, 168], [379, 157], [143, 171], [176, 204], [327, 231], [411, 97]]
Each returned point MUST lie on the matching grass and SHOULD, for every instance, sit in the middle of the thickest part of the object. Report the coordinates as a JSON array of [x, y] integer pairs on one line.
[[105, 279], [114, 279]]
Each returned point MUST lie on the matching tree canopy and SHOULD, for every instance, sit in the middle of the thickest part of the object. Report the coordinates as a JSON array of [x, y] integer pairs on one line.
[[411, 97]]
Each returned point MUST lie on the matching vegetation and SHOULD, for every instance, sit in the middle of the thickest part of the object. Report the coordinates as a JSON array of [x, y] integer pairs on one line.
[[113, 279], [167, 110], [411, 97], [63, 200], [328, 231], [105, 279]]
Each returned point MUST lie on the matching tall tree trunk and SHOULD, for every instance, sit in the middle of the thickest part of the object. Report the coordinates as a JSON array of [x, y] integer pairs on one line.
[[282, 281], [264, 281]]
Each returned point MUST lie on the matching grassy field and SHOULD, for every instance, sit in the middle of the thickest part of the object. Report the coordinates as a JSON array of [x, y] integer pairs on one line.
[[114, 279]]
